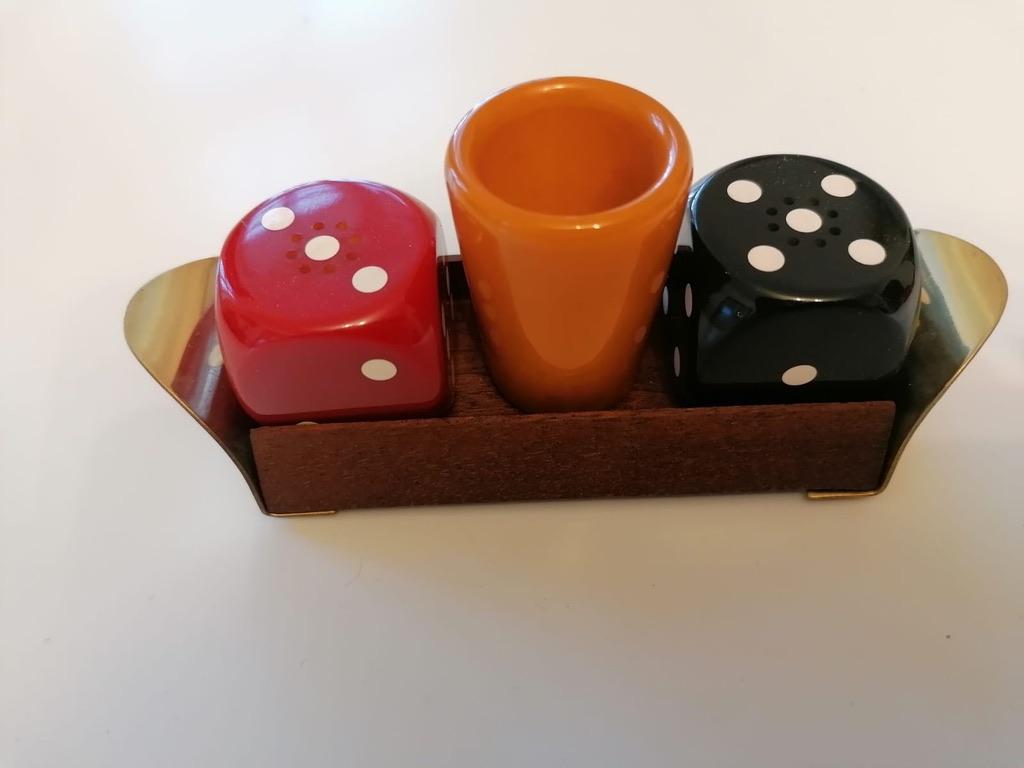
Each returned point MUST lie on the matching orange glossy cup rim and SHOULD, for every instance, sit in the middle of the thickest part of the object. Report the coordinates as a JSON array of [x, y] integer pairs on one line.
[[677, 169]]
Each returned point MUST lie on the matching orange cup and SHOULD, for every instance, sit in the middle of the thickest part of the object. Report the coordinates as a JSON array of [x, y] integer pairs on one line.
[[567, 194]]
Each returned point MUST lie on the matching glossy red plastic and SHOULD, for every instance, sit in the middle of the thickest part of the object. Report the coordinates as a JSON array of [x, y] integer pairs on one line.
[[328, 306]]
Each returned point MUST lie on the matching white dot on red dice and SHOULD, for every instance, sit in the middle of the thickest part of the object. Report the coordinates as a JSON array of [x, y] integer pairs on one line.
[[677, 363], [867, 252], [322, 247], [799, 375], [766, 258], [369, 279], [744, 191], [837, 185], [803, 220], [688, 300], [379, 370], [277, 218], [664, 300]]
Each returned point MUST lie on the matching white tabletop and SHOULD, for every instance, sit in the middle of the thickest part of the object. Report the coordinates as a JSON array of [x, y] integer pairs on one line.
[[150, 616]]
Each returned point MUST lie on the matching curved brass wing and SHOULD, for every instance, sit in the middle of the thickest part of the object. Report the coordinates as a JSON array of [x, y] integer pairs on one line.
[[963, 296]]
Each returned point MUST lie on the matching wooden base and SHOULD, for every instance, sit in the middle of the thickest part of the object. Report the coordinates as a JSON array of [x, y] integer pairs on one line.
[[487, 451]]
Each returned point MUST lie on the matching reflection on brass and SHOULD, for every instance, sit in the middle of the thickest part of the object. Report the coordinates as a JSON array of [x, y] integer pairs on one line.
[[169, 326], [964, 294]]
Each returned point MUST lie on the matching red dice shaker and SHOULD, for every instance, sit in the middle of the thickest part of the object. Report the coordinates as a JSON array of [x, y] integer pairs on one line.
[[328, 306]]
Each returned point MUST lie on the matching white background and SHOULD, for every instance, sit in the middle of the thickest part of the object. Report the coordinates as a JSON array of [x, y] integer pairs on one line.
[[150, 616]]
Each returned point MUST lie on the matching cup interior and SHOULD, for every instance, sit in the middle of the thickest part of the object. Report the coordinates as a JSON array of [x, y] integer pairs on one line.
[[570, 151]]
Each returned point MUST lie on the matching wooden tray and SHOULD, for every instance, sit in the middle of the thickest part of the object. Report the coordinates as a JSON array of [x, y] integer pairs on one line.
[[487, 451]]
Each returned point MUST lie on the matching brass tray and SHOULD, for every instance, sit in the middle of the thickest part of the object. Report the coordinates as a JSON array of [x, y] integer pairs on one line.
[[169, 328]]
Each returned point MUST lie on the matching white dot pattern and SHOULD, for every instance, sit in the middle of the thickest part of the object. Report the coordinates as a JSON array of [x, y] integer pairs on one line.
[[803, 220], [744, 191], [322, 247], [369, 279], [379, 370], [766, 258], [799, 375], [277, 218], [870, 253], [677, 363], [688, 300], [664, 300], [837, 185]]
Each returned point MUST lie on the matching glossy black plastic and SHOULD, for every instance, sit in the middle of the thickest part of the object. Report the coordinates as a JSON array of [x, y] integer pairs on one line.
[[797, 281]]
